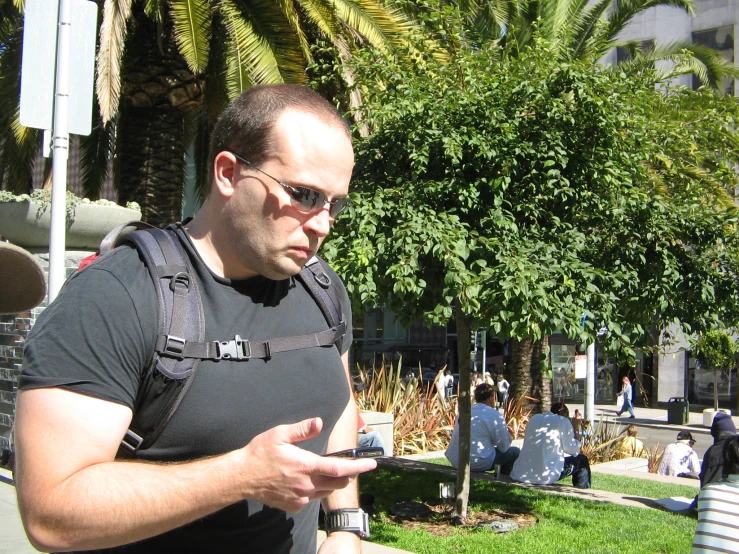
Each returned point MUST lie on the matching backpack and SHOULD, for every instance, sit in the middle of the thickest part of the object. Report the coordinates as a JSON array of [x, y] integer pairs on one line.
[[180, 344]]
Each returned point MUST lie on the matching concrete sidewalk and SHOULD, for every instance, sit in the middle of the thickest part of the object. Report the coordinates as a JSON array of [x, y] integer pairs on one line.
[[648, 417]]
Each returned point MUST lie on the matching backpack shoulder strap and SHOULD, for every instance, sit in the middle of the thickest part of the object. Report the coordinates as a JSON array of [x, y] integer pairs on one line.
[[181, 320], [314, 276]]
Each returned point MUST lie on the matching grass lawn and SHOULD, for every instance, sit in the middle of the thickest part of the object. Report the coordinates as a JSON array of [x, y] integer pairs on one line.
[[625, 485], [564, 525]]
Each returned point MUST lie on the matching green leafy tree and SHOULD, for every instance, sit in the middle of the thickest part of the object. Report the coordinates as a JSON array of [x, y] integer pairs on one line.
[[519, 193], [715, 350], [165, 70]]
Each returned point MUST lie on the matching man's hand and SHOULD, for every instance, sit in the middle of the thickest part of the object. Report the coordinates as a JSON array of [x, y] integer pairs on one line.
[[288, 477], [341, 542]]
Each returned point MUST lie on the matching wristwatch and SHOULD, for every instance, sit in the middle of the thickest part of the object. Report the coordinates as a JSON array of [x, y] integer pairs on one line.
[[353, 520]]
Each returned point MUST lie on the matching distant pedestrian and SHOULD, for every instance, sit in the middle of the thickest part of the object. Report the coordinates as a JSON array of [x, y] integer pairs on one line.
[[628, 394], [718, 517], [449, 383], [679, 459], [503, 387]]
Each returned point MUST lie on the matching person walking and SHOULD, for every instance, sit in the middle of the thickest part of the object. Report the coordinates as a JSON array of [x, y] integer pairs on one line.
[[241, 465], [627, 393]]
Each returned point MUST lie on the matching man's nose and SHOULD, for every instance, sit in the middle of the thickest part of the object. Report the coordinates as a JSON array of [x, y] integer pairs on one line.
[[320, 222]]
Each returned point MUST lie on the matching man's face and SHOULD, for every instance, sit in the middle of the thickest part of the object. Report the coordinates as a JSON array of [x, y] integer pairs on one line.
[[272, 237]]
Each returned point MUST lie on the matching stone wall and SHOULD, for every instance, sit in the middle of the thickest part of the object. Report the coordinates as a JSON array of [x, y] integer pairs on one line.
[[13, 332]]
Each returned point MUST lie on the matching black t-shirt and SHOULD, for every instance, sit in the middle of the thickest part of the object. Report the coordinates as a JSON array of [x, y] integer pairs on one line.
[[98, 337]]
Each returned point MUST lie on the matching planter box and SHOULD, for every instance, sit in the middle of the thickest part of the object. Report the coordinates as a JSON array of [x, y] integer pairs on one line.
[[709, 414], [383, 424], [27, 224]]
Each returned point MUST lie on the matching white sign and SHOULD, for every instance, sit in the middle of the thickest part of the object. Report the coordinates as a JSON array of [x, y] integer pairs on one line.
[[581, 366], [38, 64]]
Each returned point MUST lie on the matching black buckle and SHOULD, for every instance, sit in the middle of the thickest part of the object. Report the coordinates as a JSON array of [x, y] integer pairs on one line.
[[131, 441], [236, 349], [174, 346], [181, 278]]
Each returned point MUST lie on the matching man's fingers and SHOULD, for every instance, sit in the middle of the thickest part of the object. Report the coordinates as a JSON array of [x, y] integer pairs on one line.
[[343, 467], [302, 430]]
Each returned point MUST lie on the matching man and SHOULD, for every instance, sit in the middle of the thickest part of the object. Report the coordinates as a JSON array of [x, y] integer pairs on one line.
[[718, 519], [548, 438], [367, 435], [628, 394], [490, 442], [679, 459], [239, 466]]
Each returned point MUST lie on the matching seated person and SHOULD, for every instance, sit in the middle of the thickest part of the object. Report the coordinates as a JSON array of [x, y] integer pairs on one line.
[[712, 468], [548, 438], [490, 441], [718, 518], [679, 459], [367, 436], [630, 446]]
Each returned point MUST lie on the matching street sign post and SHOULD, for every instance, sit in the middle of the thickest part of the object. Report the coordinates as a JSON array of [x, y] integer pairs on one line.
[[57, 74]]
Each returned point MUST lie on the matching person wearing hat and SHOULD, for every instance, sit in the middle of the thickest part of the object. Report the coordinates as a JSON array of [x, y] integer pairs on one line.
[[679, 459], [24, 286], [22, 279]]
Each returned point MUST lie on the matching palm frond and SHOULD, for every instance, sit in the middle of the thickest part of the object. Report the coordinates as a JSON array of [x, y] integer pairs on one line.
[[323, 16], [585, 27], [155, 9], [116, 14], [684, 58], [625, 11], [192, 28], [249, 58], [96, 150], [379, 26]]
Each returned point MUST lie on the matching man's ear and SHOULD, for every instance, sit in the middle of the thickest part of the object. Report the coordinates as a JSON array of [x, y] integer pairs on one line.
[[225, 173]]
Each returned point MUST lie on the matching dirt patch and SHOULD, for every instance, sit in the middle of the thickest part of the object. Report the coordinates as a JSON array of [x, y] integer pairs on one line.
[[438, 518]]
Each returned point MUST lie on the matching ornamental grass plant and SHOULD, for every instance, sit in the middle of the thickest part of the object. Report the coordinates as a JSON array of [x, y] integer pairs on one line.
[[423, 421]]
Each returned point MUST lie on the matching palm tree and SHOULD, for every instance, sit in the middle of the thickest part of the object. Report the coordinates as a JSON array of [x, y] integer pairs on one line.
[[165, 70]]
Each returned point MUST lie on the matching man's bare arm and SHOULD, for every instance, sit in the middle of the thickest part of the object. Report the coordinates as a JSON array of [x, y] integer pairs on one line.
[[73, 495], [343, 435]]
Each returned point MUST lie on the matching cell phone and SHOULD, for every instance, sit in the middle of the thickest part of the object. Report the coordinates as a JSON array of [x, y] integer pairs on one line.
[[363, 452]]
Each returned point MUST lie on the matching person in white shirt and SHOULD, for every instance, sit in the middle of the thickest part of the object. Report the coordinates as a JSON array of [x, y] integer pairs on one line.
[[679, 459], [548, 438], [503, 387], [490, 442]]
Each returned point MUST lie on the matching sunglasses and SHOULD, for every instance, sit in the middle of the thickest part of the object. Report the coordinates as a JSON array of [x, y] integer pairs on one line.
[[304, 199]]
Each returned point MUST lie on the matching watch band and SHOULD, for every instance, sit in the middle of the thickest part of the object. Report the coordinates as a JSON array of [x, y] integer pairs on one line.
[[353, 520]]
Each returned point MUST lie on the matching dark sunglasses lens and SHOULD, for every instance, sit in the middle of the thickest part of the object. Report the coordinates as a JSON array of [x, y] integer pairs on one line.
[[338, 206], [306, 198]]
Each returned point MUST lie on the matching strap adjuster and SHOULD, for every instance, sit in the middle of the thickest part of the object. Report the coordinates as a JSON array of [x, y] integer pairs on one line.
[[131, 441], [236, 349], [174, 346]]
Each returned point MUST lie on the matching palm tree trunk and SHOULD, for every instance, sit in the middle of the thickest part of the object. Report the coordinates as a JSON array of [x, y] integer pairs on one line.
[[529, 375], [150, 147], [465, 413]]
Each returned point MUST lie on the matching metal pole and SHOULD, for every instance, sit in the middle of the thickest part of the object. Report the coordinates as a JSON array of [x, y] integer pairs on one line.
[[60, 154], [590, 383]]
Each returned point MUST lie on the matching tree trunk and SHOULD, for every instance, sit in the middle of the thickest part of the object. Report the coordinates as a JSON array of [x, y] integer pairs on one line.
[[529, 373], [465, 412], [157, 93]]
